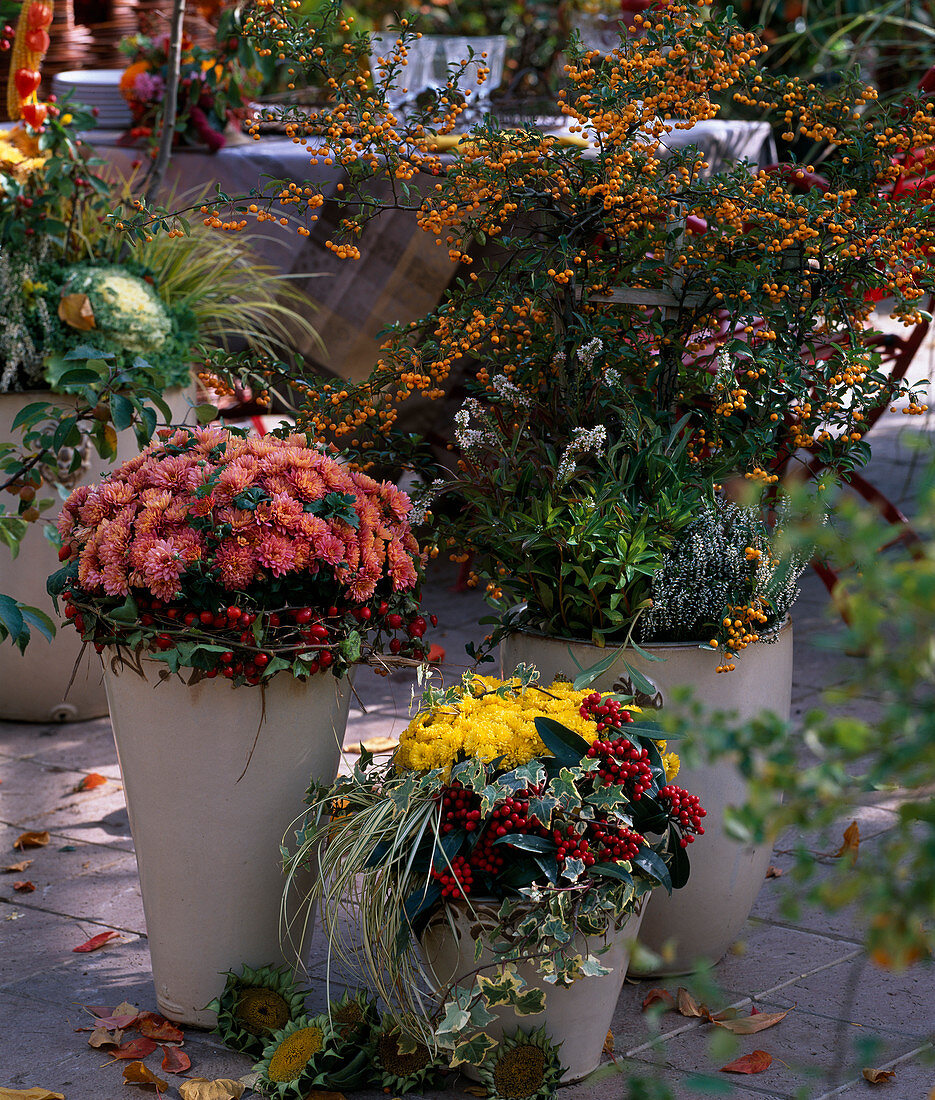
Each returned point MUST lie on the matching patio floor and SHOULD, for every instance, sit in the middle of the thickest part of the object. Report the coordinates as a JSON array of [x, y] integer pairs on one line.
[[846, 1014]]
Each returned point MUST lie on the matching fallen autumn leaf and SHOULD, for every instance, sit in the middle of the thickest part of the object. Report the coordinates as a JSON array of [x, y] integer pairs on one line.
[[17, 868], [750, 1025], [24, 886], [755, 1062], [32, 840], [658, 996], [688, 1006], [158, 1027], [140, 1047], [101, 1037], [175, 1060], [851, 843], [96, 941], [138, 1074], [200, 1088], [95, 779], [878, 1076], [773, 871], [34, 1093]]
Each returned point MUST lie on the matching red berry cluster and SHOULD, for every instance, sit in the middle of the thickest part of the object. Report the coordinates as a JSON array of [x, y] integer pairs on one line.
[[607, 713], [685, 809], [614, 842], [457, 882], [286, 632], [459, 809], [623, 763], [570, 844]]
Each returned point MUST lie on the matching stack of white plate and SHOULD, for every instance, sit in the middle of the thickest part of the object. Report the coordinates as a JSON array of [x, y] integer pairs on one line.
[[98, 88]]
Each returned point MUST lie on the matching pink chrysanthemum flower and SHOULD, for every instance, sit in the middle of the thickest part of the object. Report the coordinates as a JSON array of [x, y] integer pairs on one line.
[[235, 563], [307, 484], [401, 567], [159, 567], [275, 553]]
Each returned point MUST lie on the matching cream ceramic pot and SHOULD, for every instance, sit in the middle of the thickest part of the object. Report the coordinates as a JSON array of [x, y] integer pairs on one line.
[[215, 776], [700, 921], [576, 1016]]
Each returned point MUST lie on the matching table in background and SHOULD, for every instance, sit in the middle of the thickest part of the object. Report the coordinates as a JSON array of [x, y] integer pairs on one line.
[[402, 274]]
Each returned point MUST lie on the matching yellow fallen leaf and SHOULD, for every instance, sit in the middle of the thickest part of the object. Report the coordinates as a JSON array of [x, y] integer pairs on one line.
[[688, 1006], [75, 310], [851, 842], [35, 1093], [136, 1073], [200, 1088], [750, 1025], [609, 1043], [101, 1037], [32, 840], [14, 868], [373, 745], [878, 1076]]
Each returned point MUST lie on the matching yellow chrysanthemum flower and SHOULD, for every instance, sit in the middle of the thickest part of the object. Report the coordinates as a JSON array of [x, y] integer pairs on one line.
[[486, 725]]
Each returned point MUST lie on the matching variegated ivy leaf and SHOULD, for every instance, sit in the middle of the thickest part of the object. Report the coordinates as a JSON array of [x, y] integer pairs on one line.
[[470, 773], [503, 989], [573, 870], [564, 789], [451, 1025], [557, 930], [592, 968], [541, 806], [529, 1003], [473, 1051]]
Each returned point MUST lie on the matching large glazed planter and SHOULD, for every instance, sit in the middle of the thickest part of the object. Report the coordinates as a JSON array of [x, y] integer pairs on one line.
[[34, 685], [577, 1016], [704, 918], [214, 777]]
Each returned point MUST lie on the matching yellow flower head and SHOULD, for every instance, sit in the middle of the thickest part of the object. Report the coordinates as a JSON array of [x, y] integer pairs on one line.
[[487, 723]]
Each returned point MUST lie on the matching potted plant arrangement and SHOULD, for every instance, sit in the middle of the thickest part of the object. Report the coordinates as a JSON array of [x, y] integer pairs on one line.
[[98, 336], [230, 585], [498, 866], [638, 337]]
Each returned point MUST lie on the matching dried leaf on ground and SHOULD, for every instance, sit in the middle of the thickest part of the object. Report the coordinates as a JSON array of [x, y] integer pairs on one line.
[[851, 844], [32, 840], [878, 1076], [24, 886], [95, 779], [138, 1074], [200, 1088], [34, 1093], [125, 1009], [175, 1060], [96, 941], [609, 1044], [373, 745], [750, 1025], [140, 1047], [159, 1028], [755, 1062], [774, 872], [101, 1037], [475, 1090], [16, 868], [688, 1006], [658, 996]]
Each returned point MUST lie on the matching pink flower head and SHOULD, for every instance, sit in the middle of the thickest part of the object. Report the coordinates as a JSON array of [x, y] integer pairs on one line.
[[276, 554]]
